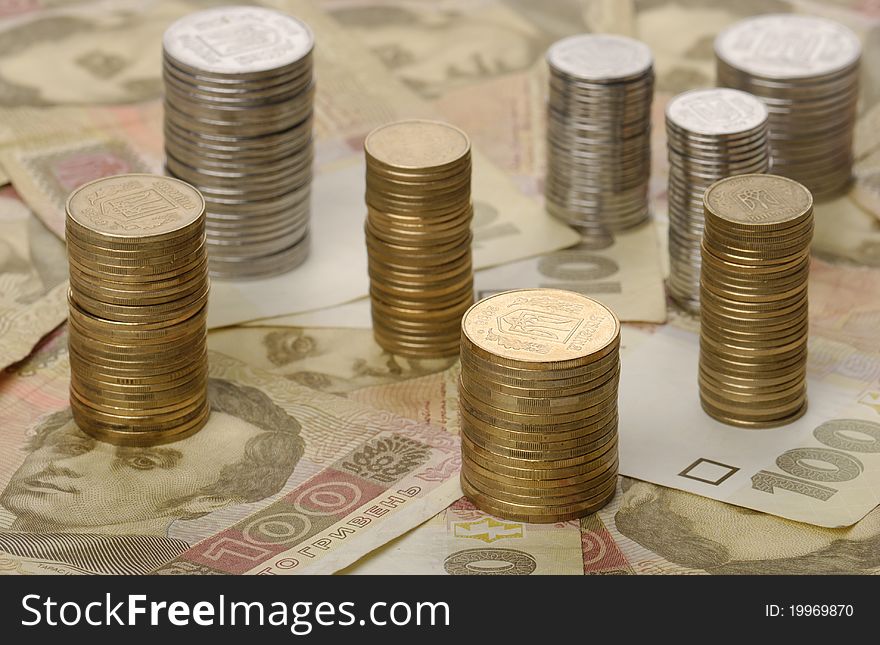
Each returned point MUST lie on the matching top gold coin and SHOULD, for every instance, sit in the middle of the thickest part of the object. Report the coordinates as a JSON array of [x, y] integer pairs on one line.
[[758, 202], [417, 144], [135, 206], [540, 329]]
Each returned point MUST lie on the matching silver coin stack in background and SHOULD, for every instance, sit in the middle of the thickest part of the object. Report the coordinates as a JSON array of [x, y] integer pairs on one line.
[[806, 71], [711, 134], [238, 126], [599, 131]]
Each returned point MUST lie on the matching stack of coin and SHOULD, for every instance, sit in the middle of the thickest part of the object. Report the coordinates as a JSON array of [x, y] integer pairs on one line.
[[238, 126], [538, 403], [418, 231], [138, 304], [753, 317], [711, 134], [599, 131], [806, 70]]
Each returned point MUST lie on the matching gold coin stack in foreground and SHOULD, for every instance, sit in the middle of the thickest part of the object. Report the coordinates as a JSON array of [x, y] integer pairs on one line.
[[599, 131], [138, 305], [418, 231], [238, 126], [711, 134], [538, 402], [753, 316], [806, 71]]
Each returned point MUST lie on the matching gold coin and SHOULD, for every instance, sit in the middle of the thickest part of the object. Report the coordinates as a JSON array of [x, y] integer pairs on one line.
[[416, 145], [126, 436], [537, 405], [542, 450], [531, 513], [182, 308], [129, 372], [757, 202], [542, 497], [754, 395], [489, 481], [125, 388], [561, 379], [757, 410], [561, 481], [576, 431], [135, 249], [494, 414], [737, 420], [484, 379], [540, 329], [139, 417], [135, 206], [527, 469], [733, 380], [104, 330]]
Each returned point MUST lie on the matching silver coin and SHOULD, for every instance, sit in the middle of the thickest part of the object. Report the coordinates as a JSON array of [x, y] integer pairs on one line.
[[598, 131], [717, 111], [600, 57], [237, 41], [788, 46], [260, 267]]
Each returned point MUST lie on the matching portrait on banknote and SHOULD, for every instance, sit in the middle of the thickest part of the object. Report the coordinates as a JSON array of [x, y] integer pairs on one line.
[[105, 509], [696, 532]]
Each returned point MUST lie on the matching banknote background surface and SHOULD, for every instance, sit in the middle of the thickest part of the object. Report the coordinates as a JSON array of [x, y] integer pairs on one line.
[[79, 100]]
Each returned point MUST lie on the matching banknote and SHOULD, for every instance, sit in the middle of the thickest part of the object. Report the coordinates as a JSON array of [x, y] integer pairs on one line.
[[646, 529], [283, 479], [33, 279]]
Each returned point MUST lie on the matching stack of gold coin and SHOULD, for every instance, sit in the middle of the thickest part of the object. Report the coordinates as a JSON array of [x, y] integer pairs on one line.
[[238, 126], [418, 231], [138, 304], [599, 131], [711, 134], [753, 316], [538, 403], [806, 70]]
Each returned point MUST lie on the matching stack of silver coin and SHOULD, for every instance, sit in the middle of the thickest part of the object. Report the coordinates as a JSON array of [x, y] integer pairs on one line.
[[711, 134], [238, 126], [599, 131], [806, 71]]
